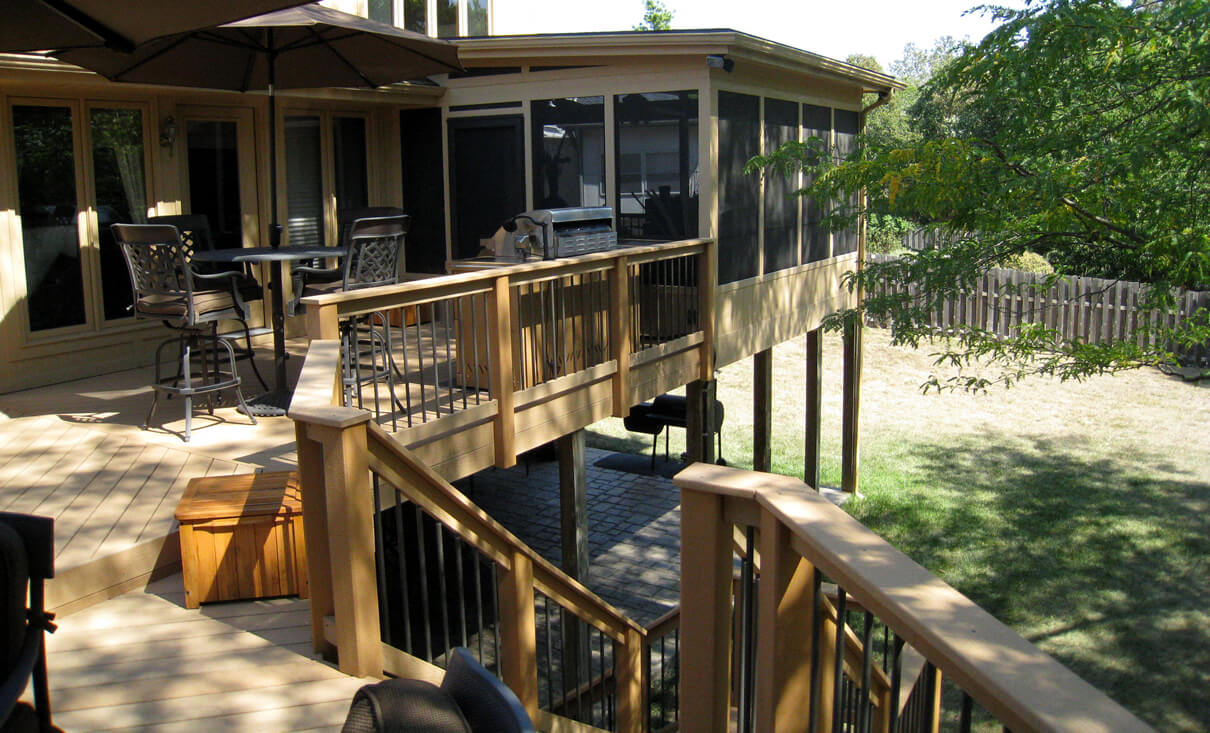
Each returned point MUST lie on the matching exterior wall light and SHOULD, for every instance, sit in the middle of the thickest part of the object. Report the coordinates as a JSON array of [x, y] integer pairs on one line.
[[720, 62], [168, 132]]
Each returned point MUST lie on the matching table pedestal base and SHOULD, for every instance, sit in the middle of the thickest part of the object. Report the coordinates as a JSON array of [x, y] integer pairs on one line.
[[270, 404]]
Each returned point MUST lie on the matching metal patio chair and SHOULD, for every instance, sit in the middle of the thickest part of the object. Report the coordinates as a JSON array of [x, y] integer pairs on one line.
[[164, 287], [27, 560]]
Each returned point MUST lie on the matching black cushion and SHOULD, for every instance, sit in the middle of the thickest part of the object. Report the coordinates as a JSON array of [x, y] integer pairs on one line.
[[487, 703], [403, 706]]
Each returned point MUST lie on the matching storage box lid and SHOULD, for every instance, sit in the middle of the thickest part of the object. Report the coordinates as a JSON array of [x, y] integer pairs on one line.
[[245, 495]]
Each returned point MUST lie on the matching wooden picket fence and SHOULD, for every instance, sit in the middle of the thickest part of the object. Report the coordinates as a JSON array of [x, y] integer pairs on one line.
[[1088, 309]]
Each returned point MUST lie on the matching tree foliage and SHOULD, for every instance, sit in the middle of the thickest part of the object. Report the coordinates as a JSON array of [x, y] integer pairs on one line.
[[1077, 128], [656, 17]]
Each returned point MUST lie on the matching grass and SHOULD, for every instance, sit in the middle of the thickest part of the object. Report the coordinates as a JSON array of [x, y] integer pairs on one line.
[[1078, 514]]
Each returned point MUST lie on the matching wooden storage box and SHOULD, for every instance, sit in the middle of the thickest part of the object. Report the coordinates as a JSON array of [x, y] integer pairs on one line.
[[242, 537]]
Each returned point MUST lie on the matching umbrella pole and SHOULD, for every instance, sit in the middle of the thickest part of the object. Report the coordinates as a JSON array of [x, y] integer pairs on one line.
[[275, 230]]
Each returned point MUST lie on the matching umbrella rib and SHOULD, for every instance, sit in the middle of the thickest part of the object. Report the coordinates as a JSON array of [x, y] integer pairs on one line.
[[421, 54], [365, 79], [149, 58]]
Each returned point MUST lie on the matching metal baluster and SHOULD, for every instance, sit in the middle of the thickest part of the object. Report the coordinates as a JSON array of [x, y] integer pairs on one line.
[[816, 641], [896, 679], [458, 573], [838, 668], [479, 602], [930, 676], [449, 359], [863, 709], [486, 333], [407, 384], [663, 664], [964, 715], [424, 410], [550, 666], [582, 666], [676, 675], [443, 599], [403, 577], [496, 613], [380, 562], [436, 368], [424, 585], [747, 670]]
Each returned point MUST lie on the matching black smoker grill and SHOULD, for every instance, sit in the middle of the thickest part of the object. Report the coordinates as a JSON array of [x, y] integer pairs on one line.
[[552, 233]]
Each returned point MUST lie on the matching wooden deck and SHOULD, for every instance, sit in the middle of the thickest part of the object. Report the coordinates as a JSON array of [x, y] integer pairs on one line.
[[143, 662], [76, 452]]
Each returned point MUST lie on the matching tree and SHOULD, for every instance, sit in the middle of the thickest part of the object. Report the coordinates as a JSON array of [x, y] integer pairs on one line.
[[1077, 128], [656, 17]]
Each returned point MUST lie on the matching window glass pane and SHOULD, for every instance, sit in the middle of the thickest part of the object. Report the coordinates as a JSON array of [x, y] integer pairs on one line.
[[569, 152], [213, 159], [414, 16], [781, 207], [121, 185], [46, 189], [447, 18], [304, 182], [846, 140], [817, 123], [657, 196], [382, 11], [352, 188], [738, 192], [476, 17]]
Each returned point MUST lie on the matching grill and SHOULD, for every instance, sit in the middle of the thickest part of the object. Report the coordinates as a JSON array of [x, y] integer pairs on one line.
[[552, 233]]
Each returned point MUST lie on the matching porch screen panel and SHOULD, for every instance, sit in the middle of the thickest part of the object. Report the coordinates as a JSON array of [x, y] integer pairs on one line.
[[415, 16], [569, 152], [781, 207], [121, 196], [46, 192], [846, 141], [816, 244], [352, 171], [657, 168], [382, 11], [304, 182], [447, 18], [738, 192]]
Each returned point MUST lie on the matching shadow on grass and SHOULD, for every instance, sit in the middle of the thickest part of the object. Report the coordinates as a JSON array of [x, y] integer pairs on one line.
[[1100, 562]]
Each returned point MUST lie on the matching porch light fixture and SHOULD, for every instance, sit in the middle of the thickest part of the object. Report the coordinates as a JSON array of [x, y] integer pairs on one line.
[[168, 132], [720, 62]]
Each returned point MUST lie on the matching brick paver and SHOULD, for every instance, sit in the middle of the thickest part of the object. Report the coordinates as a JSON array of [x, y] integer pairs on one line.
[[634, 532]]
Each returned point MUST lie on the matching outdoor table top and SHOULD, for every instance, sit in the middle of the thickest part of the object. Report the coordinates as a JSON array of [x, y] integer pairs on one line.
[[266, 254]]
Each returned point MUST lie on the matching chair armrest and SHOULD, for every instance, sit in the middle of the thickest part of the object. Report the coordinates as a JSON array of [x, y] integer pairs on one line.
[[318, 272]]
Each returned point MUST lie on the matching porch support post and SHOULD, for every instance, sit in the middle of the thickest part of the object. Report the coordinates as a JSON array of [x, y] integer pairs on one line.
[[852, 403], [762, 410], [783, 654], [619, 334], [573, 515], [500, 324], [699, 421], [705, 612], [814, 407], [518, 635]]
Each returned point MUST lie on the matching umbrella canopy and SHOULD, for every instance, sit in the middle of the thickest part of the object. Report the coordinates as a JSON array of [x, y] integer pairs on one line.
[[36, 25], [304, 47]]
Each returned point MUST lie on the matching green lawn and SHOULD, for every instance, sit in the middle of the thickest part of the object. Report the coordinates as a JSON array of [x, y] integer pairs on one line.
[[1079, 514]]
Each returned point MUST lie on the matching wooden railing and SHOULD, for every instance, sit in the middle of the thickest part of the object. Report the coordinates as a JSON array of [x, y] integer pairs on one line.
[[803, 540], [344, 459], [509, 358]]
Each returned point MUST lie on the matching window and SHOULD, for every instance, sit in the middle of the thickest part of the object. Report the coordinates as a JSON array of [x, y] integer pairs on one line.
[[656, 158], [307, 190], [569, 152], [449, 19], [121, 196]]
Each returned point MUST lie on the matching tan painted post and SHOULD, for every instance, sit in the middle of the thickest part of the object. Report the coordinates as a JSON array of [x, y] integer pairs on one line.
[[783, 654], [762, 410], [501, 328], [350, 514], [705, 612], [518, 631], [323, 322], [620, 335], [814, 411], [707, 283], [629, 669], [315, 529]]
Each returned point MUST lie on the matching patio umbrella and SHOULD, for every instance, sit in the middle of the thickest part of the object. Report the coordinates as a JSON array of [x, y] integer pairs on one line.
[[297, 48], [35, 25]]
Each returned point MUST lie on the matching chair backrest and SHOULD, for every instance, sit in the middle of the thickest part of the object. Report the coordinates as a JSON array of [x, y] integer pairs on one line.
[[487, 703], [374, 248], [157, 261], [193, 228], [346, 217]]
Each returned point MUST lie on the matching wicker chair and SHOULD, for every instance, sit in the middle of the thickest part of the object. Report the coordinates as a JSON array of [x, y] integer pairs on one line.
[[164, 286]]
